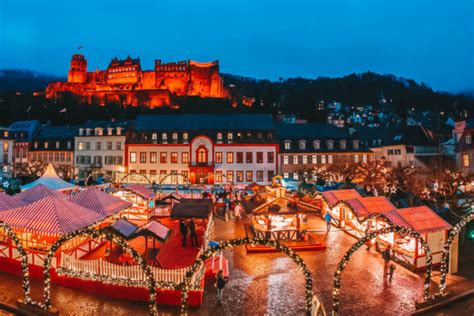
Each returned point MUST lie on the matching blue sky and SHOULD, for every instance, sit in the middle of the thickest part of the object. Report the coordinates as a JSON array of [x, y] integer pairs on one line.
[[431, 41]]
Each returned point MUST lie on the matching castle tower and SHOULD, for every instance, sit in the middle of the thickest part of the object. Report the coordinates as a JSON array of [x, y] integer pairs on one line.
[[78, 71]]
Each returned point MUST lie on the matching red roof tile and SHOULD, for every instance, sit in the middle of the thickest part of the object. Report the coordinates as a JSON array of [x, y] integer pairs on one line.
[[421, 219], [334, 196]]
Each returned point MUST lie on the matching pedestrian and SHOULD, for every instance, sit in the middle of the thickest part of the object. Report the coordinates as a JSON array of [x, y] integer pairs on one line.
[[184, 231], [192, 233], [328, 219], [392, 270], [387, 256], [221, 281], [238, 212]]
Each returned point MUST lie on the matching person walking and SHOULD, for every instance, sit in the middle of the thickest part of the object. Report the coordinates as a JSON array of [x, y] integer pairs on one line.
[[221, 281], [184, 231], [192, 233], [387, 256], [238, 212], [327, 219]]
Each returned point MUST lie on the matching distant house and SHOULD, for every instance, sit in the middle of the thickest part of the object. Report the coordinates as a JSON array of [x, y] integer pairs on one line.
[[464, 146], [22, 132], [6, 152]]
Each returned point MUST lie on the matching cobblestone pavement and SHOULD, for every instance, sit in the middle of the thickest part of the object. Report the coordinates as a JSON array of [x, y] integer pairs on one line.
[[267, 284]]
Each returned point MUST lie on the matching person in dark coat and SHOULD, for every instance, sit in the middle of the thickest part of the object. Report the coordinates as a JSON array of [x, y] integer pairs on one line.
[[221, 281], [387, 256], [184, 231], [192, 233]]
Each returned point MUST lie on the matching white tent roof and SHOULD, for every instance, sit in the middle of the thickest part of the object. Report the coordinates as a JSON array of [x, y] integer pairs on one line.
[[51, 180]]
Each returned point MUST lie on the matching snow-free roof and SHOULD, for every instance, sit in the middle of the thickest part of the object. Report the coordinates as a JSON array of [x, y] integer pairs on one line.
[[38, 192], [334, 196], [100, 202], [51, 180], [8, 202], [420, 218]]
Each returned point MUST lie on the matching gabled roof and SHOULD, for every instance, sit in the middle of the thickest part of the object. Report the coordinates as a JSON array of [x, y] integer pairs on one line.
[[29, 127], [123, 227], [51, 180], [334, 196], [404, 135], [100, 202], [56, 132], [154, 229], [420, 218], [50, 215], [38, 192], [364, 206], [140, 190], [8, 202]]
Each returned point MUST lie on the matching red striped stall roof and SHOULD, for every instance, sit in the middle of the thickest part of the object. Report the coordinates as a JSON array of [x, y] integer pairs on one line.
[[50, 215], [364, 206], [100, 202], [334, 196], [140, 190], [38, 192], [420, 218], [8, 202]]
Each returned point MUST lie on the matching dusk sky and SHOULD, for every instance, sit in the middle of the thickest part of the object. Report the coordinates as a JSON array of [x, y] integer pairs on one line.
[[431, 41]]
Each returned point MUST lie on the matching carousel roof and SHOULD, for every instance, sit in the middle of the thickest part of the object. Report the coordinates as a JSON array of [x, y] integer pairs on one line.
[[50, 215], [8, 202], [334, 196], [364, 206], [140, 190], [38, 192], [51, 180], [420, 218], [100, 202]]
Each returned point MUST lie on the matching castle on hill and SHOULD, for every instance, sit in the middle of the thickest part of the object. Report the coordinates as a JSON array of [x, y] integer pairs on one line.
[[125, 82]]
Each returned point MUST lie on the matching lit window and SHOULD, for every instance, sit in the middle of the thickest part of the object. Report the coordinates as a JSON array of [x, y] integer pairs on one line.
[[175, 136], [46, 144], [329, 158], [133, 157], [317, 144], [314, 159], [295, 160], [356, 158], [468, 139], [285, 160], [164, 136], [355, 144], [80, 146], [174, 157], [285, 175], [249, 176], [185, 157], [323, 159], [342, 144], [230, 157], [185, 136], [218, 177], [230, 136], [153, 157], [330, 144], [154, 136], [305, 160], [302, 144], [295, 175], [219, 136], [364, 158], [57, 145], [466, 160], [230, 176], [218, 157], [287, 144]]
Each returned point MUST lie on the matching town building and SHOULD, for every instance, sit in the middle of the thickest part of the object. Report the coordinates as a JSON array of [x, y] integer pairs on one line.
[[6, 153], [306, 147], [100, 148], [22, 132], [125, 82], [463, 133], [203, 148]]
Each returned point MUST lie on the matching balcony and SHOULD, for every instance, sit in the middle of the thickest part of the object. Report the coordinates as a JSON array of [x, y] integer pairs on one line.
[[201, 164]]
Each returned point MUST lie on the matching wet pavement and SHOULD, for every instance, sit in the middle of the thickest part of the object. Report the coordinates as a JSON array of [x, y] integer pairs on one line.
[[267, 284]]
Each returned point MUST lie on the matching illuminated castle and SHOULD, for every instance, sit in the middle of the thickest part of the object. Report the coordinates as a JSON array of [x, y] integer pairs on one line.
[[124, 82]]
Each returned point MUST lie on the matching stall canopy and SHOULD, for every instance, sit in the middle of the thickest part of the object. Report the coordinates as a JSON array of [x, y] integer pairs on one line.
[[8, 202], [154, 229], [51, 180], [123, 227], [50, 215], [140, 190], [364, 206], [192, 208], [281, 206], [100, 202], [38, 192], [334, 196], [420, 218]]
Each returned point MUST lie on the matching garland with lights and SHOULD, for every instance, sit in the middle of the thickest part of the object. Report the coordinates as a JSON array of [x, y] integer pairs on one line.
[[446, 249], [394, 229], [208, 253], [110, 236]]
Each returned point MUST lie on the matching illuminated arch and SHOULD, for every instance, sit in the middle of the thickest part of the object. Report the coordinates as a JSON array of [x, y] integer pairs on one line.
[[446, 249], [394, 229], [240, 242], [128, 175], [166, 176], [110, 236]]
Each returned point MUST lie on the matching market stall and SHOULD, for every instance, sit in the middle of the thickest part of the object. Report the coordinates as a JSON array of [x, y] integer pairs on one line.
[[52, 181]]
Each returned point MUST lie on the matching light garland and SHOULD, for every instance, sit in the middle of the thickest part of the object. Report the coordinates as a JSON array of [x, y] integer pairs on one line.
[[110, 236], [446, 249], [208, 253], [393, 229]]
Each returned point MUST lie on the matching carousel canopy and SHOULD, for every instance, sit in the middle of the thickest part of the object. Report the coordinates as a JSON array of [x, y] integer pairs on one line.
[[50, 215], [420, 218], [140, 190], [8, 202], [100, 202], [38, 192], [192, 208], [51, 180], [334, 196]]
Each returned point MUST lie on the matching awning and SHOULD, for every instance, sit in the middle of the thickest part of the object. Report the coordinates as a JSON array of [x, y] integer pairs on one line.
[[420, 218], [154, 229], [140, 190], [123, 227], [100, 202], [39, 192], [8, 202]]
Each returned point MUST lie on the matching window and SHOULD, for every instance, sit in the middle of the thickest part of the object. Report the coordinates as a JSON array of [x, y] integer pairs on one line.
[[184, 173], [153, 157], [219, 157], [99, 132], [133, 157], [88, 146], [184, 157], [330, 144], [259, 157], [119, 131], [295, 160], [174, 157], [175, 136], [240, 157], [142, 171], [50, 156], [68, 158], [163, 157], [364, 158], [80, 146], [314, 159], [270, 157], [249, 176], [185, 136], [218, 176], [302, 145], [46, 145], [305, 160], [466, 159], [355, 144], [201, 155], [154, 136], [142, 157], [249, 157], [259, 176], [285, 160], [57, 145], [109, 145], [230, 158], [286, 175], [323, 159], [69, 145], [287, 144], [342, 144], [164, 136], [109, 160], [118, 145], [230, 136], [239, 176], [329, 158], [230, 176], [98, 145], [390, 152], [98, 160], [317, 144], [295, 175], [118, 160], [356, 158], [270, 175], [36, 145], [219, 136], [152, 172], [63, 157]]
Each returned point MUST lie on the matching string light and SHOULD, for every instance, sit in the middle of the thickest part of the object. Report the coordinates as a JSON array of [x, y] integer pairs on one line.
[[393, 229], [191, 272]]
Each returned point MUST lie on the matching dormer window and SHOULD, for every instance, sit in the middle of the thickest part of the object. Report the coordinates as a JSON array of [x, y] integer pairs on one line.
[[317, 144], [355, 144], [81, 132], [88, 131], [287, 144], [57, 145], [164, 136], [230, 136], [185, 136], [342, 144], [46, 145], [154, 136], [110, 131], [302, 144], [330, 144], [99, 131], [219, 136], [175, 136], [468, 139], [119, 131]]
